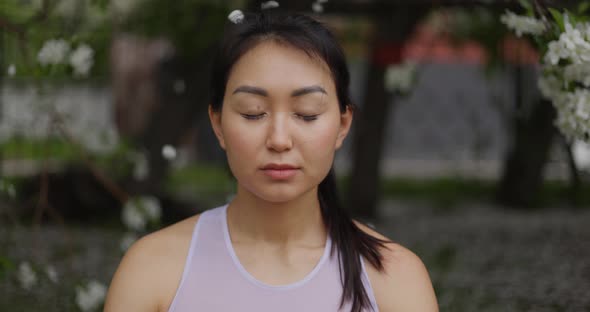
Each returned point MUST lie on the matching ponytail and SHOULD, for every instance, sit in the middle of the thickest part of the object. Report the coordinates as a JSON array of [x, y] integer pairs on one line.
[[350, 243]]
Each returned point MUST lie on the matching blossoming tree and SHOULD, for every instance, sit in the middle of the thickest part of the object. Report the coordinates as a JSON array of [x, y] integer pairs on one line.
[[562, 37]]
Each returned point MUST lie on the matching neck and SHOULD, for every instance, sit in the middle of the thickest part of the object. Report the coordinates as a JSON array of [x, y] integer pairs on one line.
[[300, 220]]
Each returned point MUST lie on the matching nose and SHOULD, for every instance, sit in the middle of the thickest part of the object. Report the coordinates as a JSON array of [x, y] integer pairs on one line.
[[279, 137]]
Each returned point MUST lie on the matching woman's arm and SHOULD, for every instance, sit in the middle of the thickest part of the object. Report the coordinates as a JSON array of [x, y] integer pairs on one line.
[[150, 271], [404, 285], [134, 284]]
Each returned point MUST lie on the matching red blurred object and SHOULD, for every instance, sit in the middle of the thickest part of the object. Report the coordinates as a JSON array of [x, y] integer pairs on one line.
[[387, 53], [428, 45], [516, 50]]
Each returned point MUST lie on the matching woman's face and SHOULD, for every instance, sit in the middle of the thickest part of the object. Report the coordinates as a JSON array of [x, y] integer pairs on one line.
[[280, 123]]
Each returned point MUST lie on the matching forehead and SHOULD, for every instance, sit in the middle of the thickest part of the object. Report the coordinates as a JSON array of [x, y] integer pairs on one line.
[[270, 64]]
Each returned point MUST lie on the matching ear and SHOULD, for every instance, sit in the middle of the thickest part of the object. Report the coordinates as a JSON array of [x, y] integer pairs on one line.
[[215, 118], [345, 123]]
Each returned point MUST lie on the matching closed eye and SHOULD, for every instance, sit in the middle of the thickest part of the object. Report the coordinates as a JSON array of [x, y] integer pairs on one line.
[[253, 116], [308, 117]]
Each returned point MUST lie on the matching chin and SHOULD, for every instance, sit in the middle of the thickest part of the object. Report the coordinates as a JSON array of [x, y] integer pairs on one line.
[[279, 194], [278, 197]]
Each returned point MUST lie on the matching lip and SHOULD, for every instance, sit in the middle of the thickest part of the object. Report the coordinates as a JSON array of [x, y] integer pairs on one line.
[[274, 166], [280, 171]]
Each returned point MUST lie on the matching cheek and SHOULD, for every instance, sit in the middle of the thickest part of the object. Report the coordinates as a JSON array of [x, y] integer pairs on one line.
[[320, 143], [241, 142]]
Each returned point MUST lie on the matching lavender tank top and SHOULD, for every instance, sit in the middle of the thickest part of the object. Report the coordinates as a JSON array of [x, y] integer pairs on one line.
[[214, 280]]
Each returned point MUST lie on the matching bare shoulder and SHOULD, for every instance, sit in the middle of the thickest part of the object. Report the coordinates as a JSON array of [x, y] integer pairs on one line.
[[404, 284], [150, 271]]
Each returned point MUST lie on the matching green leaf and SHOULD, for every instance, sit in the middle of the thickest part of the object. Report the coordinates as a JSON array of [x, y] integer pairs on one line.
[[6, 265], [573, 19], [527, 6], [101, 4], [583, 7], [16, 12], [558, 17]]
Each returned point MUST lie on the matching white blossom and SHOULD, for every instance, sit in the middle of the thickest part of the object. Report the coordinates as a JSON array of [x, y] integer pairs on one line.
[[91, 296], [82, 60], [11, 71], [7, 188], [52, 274], [317, 7], [168, 152], [577, 73], [400, 78], [100, 141], [573, 45], [236, 16], [573, 113], [576, 43], [132, 216], [140, 167], [128, 239], [522, 25], [139, 210], [556, 51], [550, 86], [581, 153], [26, 276], [269, 5], [53, 52], [150, 207]]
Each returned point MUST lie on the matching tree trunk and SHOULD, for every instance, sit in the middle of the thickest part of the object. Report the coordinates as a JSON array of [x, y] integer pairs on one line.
[[372, 117], [523, 170]]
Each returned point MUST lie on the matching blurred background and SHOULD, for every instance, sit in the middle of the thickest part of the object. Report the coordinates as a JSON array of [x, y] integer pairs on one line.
[[454, 153]]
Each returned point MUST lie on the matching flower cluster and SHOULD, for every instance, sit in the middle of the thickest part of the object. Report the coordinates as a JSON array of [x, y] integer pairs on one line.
[[28, 277], [83, 112], [400, 78], [565, 78], [269, 5], [523, 25], [573, 45], [137, 213], [58, 51], [7, 188], [81, 60], [53, 52], [318, 6], [90, 296]]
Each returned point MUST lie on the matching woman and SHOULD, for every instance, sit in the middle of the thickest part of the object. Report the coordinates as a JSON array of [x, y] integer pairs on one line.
[[280, 109]]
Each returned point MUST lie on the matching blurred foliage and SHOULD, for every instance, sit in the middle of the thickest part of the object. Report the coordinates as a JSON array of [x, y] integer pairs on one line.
[[448, 191], [201, 180], [33, 22], [6, 266], [479, 23], [191, 25], [575, 14], [118, 163]]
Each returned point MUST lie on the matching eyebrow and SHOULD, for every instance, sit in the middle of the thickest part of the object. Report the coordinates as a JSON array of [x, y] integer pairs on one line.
[[295, 93]]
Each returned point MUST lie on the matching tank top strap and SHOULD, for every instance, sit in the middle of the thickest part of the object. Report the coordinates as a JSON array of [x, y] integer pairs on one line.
[[208, 223]]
